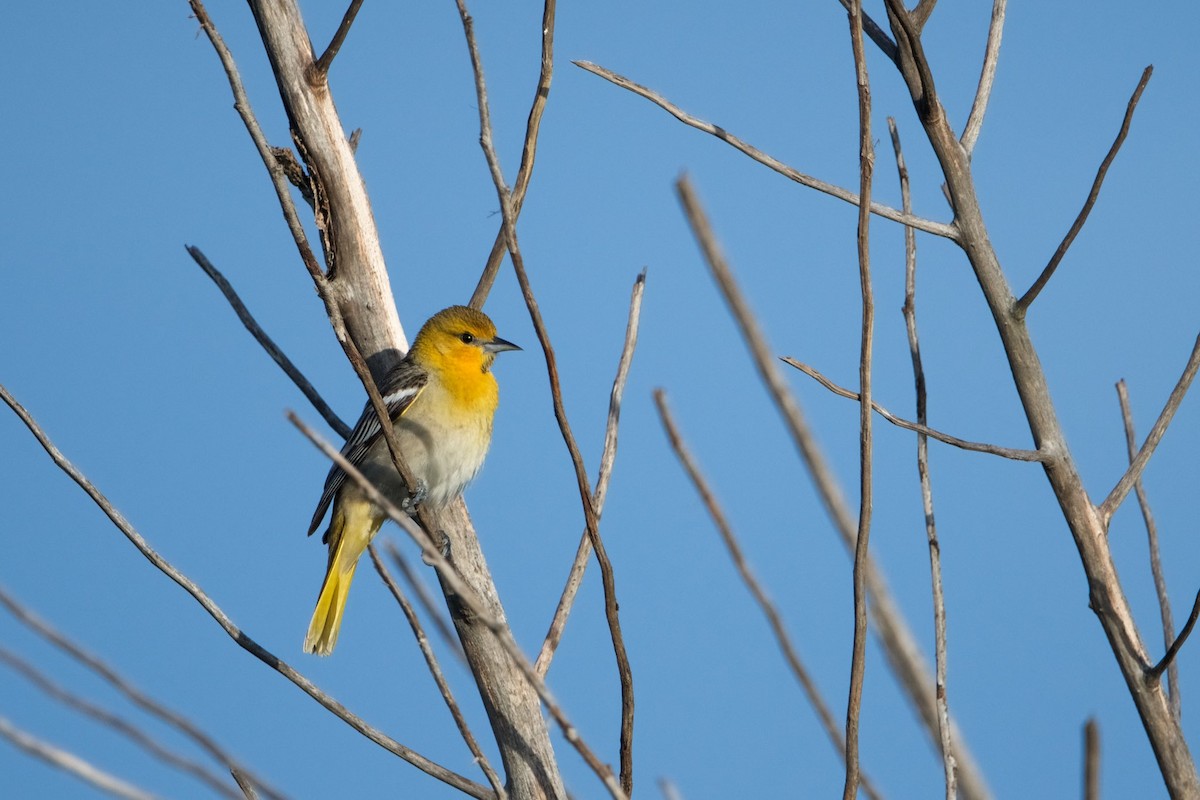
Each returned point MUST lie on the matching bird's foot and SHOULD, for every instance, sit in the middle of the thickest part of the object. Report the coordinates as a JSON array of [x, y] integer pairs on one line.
[[410, 503]]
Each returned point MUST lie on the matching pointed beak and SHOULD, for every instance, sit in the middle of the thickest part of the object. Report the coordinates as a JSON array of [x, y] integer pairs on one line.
[[498, 345]]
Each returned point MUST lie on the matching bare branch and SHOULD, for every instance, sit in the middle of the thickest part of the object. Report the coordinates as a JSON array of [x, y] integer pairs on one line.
[[467, 596], [987, 75], [1027, 299], [1139, 462], [528, 153], [921, 13], [425, 598], [1015, 454], [1087, 525], [1091, 760], [774, 619], [277, 355], [935, 548], [125, 687], [116, 723], [1160, 580], [435, 669], [241, 103], [878, 35], [669, 790], [866, 164], [69, 762], [339, 36], [948, 231], [237, 634], [611, 606], [245, 784], [900, 646], [575, 575], [1155, 672]]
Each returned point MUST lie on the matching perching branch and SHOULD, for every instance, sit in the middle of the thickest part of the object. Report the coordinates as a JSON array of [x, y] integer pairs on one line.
[[774, 618], [1048, 271], [1015, 454], [237, 634], [920, 223], [465, 594]]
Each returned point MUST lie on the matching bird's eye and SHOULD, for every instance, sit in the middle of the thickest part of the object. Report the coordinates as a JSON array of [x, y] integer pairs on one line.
[[467, 338]]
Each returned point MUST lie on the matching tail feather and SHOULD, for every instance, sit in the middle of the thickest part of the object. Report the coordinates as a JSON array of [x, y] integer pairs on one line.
[[353, 526], [327, 618]]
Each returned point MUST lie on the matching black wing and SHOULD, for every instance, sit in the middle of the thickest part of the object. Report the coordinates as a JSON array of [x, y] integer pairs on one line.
[[400, 388]]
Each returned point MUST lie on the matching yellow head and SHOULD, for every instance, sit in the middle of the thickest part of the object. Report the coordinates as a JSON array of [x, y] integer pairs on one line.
[[458, 341]]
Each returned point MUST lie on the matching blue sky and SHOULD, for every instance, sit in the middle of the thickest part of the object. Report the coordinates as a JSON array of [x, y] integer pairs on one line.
[[122, 146]]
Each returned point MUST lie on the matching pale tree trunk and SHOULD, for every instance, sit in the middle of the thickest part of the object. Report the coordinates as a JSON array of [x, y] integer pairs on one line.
[[357, 283]]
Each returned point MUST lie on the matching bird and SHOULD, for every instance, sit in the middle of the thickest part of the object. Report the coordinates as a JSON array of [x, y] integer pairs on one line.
[[442, 399]]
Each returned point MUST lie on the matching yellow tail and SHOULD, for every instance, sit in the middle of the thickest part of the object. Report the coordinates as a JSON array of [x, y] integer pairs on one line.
[[353, 526]]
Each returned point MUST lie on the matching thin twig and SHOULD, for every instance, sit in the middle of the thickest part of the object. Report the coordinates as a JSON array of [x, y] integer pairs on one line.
[[769, 610], [1091, 760], [935, 548], [611, 606], [339, 36], [123, 685], [528, 154], [116, 723], [878, 35], [920, 14], [1023, 304], [949, 231], [866, 162], [279, 179], [277, 355], [234, 632], [1138, 464], [426, 599], [575, 575], [987, 75], [1155, 672], [244, 783], [470, 600], [69, 762], [900, 646], [435, 669], [669, 790], [1160, 580], [1015, 454]]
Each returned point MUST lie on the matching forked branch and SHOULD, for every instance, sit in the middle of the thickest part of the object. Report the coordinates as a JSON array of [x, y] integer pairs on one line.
[[1048, 271]]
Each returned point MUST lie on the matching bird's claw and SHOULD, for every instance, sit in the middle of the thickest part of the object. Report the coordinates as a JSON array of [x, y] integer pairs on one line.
[[442, 541], [410, 503]]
